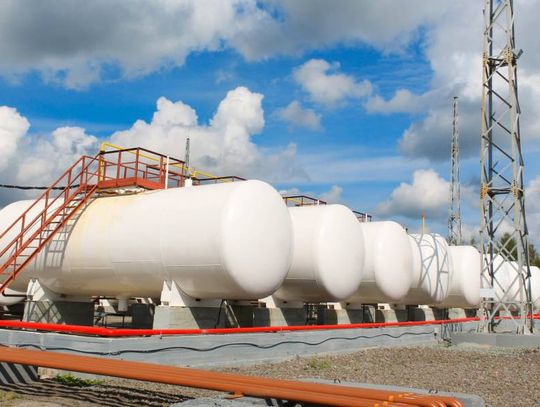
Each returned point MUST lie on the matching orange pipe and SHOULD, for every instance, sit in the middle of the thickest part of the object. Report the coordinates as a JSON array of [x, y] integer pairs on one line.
[[330, 395]]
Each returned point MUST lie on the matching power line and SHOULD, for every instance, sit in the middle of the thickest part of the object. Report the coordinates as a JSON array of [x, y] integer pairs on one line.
[[25, 187]]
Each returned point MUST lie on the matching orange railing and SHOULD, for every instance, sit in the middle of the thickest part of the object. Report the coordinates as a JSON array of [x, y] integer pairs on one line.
[[51, 211], [27, 235]]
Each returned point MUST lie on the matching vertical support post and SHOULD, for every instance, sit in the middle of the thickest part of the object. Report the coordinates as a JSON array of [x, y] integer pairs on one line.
[[167, 172], [454, 212]]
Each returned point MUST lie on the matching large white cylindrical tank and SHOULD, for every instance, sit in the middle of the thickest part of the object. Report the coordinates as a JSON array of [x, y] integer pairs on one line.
[[503, 276], [11, 297], [432, 269], [514, 290], [465, 284], [328, 255], [230, 240], [535, 286], [388, 265]]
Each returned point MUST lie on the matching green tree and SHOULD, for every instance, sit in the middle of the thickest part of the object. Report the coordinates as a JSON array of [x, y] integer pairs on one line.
[[510, 247], [507, 246]]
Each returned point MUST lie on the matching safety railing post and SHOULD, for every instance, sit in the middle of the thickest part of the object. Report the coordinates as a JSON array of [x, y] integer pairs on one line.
[[137, 163], [167, 173], [118, 166]]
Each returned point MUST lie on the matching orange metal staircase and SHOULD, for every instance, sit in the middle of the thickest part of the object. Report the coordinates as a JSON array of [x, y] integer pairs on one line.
[[47, 215]]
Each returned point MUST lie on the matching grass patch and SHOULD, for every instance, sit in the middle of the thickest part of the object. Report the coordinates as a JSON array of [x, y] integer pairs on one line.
[[70, 380], [8, 396], [319, 364]]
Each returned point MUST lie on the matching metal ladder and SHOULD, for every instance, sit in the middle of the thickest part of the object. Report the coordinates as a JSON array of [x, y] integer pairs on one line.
[[46, 216]]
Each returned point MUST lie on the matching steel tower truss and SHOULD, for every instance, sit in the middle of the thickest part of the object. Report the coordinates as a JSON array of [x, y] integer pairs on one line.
[[501, 189], [454, 214]]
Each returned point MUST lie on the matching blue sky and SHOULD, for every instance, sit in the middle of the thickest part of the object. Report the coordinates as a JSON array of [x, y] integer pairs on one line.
[[385, 126]]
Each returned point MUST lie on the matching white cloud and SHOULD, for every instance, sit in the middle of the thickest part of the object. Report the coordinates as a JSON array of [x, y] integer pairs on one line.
[[12, 128], [454, 51], [403, 101], [297, 116], [292, 27], [325, 85], [334, 195], [223, 146], [427, 194], [74, 43]]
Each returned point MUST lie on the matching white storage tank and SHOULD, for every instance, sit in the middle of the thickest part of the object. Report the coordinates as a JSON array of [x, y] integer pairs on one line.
[[432, 270], [388, 266], [535, 287], [465, 283], [503, 272], [11, 297], [328, 255], [230, 240], [512, 272]]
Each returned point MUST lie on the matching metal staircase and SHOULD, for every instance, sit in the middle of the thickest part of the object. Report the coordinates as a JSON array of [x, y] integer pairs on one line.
[[47, 215], [110, 172]]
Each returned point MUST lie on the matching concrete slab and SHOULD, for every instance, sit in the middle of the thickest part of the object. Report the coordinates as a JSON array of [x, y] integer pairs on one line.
[[391, 315], [59, 312], [507, 340], [468, 400], [231, 349], [279, 316], [347, 316], [142, 316]]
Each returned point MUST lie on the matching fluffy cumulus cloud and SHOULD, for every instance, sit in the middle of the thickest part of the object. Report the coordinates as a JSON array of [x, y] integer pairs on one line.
[[333, 195], [298, 116], [76, 43], [403, 101], [427, 194], [325, 85], [454, 51], [12, 128], [223, 146], [431, 136]]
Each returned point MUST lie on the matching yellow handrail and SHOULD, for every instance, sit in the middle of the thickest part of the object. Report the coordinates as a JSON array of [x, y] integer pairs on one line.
[[193, 171]]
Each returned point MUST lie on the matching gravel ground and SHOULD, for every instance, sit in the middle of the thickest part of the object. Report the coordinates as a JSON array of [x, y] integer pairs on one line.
[[503, 377]]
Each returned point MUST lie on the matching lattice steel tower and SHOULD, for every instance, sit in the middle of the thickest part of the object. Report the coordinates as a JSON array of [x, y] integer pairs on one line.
[[501, 189], [454, 213]]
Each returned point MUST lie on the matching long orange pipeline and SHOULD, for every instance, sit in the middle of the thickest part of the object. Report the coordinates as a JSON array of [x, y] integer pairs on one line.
[[324, 394], [108, 332]]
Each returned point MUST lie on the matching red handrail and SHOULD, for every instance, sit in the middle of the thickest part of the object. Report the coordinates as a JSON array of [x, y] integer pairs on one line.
[[147, 170], [42, 220], [109, 332]]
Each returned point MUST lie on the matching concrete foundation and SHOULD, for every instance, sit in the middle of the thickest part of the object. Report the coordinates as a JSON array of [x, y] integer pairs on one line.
[[391, 315], [142, 316], [279, 316], [227, 316], [507, 340], [167, 317], [231, 349], [347, 316], [59, 312], [238, 315], [421, 314], [44, 305]]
